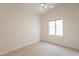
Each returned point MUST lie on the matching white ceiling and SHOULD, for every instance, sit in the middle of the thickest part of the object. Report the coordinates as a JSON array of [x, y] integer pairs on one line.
[[32, 7], [35, 7]]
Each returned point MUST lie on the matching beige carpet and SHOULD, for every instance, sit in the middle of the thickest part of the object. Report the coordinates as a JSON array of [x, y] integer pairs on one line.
[[43, 49]]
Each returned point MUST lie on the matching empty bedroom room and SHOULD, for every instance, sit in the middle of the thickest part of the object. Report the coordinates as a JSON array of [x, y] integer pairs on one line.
[[39, 29]]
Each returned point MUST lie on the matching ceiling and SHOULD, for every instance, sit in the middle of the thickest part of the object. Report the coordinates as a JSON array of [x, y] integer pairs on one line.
[[35, 7], [31, 7]]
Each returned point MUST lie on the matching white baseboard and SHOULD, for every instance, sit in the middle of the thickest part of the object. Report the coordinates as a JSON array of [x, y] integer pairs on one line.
[[19, 47], [60, 45]]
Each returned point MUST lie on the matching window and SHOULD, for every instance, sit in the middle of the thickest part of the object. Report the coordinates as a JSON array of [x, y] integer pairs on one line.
[[56, 27]]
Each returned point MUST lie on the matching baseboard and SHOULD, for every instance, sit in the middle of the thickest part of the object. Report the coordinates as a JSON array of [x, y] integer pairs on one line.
[[19, 47], [61, 45]]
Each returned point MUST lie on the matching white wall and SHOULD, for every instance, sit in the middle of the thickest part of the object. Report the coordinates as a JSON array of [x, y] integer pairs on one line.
[[18, 27], [69, 13]]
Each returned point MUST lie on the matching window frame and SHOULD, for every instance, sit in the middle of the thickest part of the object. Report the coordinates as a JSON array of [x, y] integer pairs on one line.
[[55, 28]]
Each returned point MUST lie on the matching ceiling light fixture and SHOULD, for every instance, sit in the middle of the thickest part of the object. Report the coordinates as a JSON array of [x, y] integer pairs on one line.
[[43, 5]]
